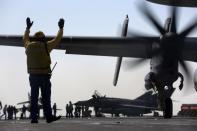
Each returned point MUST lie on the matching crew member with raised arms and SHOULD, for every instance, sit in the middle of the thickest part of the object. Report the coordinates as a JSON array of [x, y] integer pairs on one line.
[[38, 65]]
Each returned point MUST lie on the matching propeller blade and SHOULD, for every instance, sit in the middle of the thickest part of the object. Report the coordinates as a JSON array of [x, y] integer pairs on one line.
[[195, 80], [122, 28], [117, 70], [185, 68], [189, 89], [195, 86], [119, 60], [189, 29], [174, 14], [149, 15]]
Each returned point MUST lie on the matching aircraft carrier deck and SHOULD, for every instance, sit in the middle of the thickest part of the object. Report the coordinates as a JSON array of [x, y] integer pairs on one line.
[[103, 124]]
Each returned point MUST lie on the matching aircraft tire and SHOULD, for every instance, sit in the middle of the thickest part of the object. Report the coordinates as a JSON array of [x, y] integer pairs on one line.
[[168, 108]]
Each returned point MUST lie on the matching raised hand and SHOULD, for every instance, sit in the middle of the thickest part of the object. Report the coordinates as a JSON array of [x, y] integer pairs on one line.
[[61, 23], [29, 23]]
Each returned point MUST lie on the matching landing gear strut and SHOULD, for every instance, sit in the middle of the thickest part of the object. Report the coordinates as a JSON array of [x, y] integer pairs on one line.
[[167, 111]]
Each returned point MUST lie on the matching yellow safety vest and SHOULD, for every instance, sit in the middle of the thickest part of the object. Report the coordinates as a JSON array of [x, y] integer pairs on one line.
[[38, 59]]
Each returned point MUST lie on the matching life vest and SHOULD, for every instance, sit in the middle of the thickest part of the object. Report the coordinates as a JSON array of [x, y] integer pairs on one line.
[[38, 58]]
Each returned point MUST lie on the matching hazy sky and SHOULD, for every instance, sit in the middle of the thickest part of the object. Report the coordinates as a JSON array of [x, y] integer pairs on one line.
[[76, 77]]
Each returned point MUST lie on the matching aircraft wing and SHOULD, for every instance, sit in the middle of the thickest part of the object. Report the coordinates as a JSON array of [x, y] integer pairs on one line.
[[138, 106], [103, 46], [25, 102], [11, 40], [137, 47], [111, 46], [84, 103]]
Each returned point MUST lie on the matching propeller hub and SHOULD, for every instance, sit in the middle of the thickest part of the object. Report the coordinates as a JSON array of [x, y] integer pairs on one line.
[[170, 41]]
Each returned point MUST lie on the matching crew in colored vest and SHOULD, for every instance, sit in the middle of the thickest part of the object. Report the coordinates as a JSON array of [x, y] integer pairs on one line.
[[38, 66]]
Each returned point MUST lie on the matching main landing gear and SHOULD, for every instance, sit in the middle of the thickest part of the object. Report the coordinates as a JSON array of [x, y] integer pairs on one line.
[[168, 108]]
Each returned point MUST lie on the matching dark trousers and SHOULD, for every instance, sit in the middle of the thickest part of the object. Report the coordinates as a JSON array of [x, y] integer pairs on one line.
[[42, 82]]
